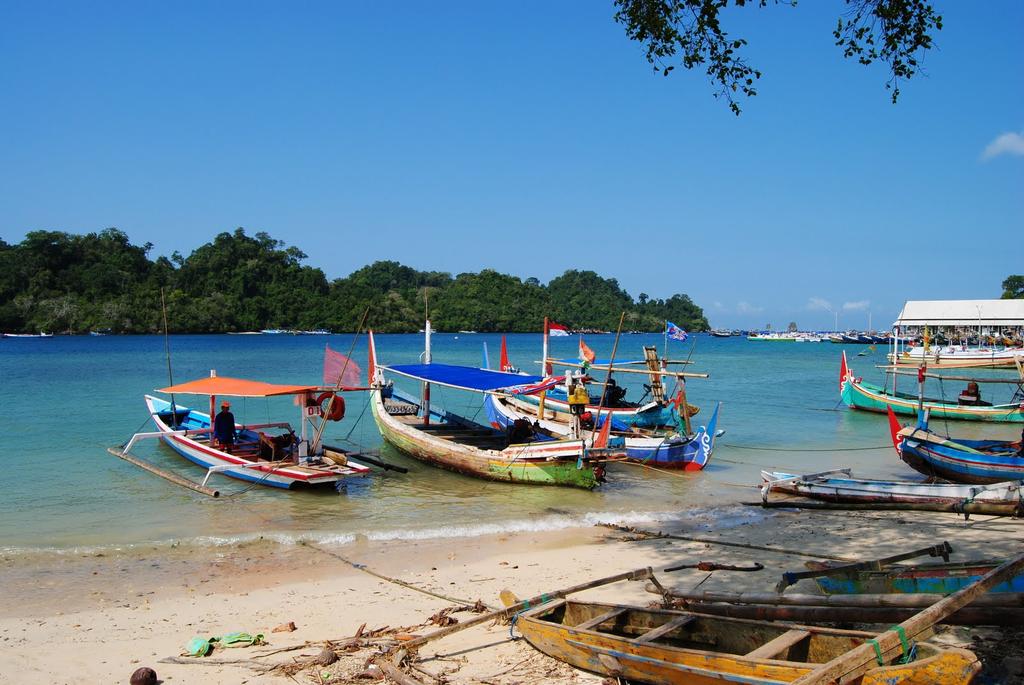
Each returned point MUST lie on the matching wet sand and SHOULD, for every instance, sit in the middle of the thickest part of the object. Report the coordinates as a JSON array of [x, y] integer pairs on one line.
[[95, 619]]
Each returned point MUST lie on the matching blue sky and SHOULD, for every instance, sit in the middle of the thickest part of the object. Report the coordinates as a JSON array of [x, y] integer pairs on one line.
[[528, 137]]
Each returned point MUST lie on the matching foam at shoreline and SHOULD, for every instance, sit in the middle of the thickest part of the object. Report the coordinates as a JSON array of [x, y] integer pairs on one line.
[[724, 516]]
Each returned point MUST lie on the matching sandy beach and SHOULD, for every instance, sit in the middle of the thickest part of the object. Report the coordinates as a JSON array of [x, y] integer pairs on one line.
[[97, 618]]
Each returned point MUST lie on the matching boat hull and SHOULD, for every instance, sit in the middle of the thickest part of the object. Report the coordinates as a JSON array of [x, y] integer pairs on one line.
[[957, 358], [961, 461], [557, 462], [846, 490], [557, 408], [669, 451], [941, 579], [707, 650], [272, 474], [867, 397]]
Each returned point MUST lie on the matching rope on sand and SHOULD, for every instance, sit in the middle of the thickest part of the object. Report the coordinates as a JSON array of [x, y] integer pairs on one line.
[[362, 567]]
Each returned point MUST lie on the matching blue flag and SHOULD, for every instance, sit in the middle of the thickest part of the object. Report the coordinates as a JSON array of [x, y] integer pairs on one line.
[[675, 332]]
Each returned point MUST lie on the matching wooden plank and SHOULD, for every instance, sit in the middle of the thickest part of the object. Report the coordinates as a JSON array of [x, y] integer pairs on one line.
[[598, 620], [638, 574], [779, 645], [674, 624]]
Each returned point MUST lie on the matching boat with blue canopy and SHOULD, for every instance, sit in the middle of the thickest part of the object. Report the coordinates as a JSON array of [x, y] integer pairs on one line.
[[525, 453]]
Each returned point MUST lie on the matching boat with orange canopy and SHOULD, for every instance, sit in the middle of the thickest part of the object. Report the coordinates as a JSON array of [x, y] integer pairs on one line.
[[267, 453]]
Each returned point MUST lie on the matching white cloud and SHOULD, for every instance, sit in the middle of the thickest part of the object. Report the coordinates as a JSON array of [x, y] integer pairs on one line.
[[717, 305], [747, 308], [859, 305], [1006, 144], [819, 304]]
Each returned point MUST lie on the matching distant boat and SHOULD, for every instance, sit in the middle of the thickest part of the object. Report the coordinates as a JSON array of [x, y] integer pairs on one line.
[[315, 331], [245, 332], [28, 335], [273, 331], [468, 332]]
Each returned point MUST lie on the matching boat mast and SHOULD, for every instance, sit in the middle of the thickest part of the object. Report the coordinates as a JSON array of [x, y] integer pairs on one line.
[[425, 399], [544, 369]]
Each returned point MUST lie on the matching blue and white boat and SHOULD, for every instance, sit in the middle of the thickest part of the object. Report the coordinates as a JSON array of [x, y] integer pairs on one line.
[[267, 454], [665, 449], [957, 459]]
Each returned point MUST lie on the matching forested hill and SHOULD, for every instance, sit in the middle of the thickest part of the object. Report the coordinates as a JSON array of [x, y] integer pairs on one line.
[[59, 282]]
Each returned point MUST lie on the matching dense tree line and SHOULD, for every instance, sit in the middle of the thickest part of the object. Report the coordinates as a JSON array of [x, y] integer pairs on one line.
[[56, 281], [1013, 288]]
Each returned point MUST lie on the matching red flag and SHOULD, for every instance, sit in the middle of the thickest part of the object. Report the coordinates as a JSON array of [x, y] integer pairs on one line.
[[556, 330], [339, 370], [586, 354], [504, 364], [602, 437]]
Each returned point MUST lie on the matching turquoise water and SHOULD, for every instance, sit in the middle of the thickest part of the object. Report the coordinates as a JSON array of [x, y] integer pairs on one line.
[[64, 400]]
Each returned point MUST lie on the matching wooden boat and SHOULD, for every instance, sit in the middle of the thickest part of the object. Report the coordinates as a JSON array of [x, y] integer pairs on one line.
[[283, 460], [662, 448], [957, 459], [958, 357], [865, 396], [938, 578], [666, 647], [445, 439], [826, 486]]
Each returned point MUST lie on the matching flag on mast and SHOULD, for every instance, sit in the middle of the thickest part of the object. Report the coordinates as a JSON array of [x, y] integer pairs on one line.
[[675, 332], [587, 355], [557, 330], [339, 370]]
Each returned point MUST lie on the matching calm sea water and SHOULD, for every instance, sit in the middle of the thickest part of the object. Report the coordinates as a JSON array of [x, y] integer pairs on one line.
[[64, 400]]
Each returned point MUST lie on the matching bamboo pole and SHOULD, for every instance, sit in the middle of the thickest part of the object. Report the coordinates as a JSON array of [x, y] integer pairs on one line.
[[861, 659], [898, 600], [638, 574], [968, 616], [604, 388], [620, 369], [173, 477], [907, 371]]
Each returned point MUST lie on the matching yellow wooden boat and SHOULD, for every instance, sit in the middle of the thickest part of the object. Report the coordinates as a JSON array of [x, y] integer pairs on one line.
[[667, 647]]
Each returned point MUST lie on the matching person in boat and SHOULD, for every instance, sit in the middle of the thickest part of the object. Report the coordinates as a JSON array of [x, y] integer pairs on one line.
[[971, 395], [275, 447], [615, 395], [224, 427], [587, 420], [520, 432]]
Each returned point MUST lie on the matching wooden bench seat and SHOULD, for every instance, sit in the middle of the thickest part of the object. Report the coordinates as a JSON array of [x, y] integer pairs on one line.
[[773, 648], [665, 629]]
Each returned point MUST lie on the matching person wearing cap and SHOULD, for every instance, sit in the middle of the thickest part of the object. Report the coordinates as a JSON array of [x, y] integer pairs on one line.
[[224, 427]]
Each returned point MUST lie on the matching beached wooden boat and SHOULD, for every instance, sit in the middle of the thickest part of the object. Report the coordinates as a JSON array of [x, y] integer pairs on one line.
[[661, 448], [865, 396], [666, 647], [445, 439], [936, 578], [267, 454], [957, 459], [828, 487]]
